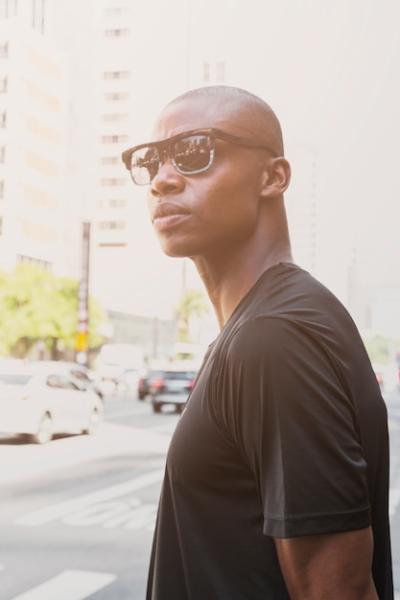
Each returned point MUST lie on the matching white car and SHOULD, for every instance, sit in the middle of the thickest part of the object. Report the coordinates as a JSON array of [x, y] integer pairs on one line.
[[41, 400]]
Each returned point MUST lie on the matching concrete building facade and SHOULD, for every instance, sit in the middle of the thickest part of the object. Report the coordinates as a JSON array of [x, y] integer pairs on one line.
[[33, 207]]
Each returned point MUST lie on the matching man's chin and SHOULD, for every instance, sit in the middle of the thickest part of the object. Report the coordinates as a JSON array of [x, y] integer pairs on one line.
[[176, 250]]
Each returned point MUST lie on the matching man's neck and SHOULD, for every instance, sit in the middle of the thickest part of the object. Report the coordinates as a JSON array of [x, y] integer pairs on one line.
[[229, 276]]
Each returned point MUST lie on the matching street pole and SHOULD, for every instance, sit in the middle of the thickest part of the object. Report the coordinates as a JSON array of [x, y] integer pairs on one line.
[[82, 334]]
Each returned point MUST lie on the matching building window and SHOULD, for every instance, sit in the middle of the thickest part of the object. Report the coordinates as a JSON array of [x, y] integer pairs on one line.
[[30, 260], [112, 181], [113, 117], [45, 100], [117, 203], [214, 72], [113, 11], [116, 96], [1, 189], [4, 50], [108, 225], [3, 85], [113, 203], [220, 69], [116, 75], [110, 160], [114, 139], [116, 32], [3, 119], [2, 154], [42, 165], [112, 245]]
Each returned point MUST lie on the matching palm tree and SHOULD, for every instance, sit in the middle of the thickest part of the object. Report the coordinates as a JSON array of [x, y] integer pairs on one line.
[[192, 304]]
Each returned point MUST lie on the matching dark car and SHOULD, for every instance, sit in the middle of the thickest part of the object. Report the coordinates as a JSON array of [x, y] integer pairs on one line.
[[144, 382], [143, 387], [170, 387]]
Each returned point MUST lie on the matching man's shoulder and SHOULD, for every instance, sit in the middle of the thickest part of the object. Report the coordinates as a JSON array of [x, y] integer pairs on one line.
[[262, 336], [292, 298]]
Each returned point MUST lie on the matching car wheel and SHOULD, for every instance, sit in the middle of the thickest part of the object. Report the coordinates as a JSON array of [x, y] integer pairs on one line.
[[156, 407], [94, 422], [45, 431], [141, 396]]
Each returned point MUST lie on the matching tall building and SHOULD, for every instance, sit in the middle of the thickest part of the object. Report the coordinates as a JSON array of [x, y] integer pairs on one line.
[[34, 220], [121, 89], [33, 13]]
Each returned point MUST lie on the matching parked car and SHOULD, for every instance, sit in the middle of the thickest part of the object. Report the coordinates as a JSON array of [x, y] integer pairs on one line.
[[128, 381], [114, 361], [39, 400], [143, 387], [144, 383], [78, 373], [172, 387]]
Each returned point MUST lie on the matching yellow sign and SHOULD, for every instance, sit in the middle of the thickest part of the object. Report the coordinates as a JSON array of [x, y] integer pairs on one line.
[[81, 341]]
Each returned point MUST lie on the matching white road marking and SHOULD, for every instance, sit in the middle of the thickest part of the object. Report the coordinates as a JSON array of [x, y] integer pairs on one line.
[[98, 513], [68, 585], [131, 515], [62, 509], [145, 515], [394, 501]]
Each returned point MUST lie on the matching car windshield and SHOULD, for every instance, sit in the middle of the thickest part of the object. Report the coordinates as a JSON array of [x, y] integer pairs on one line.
[[14, 378], [155, 374], [179, 375], [81, 375]]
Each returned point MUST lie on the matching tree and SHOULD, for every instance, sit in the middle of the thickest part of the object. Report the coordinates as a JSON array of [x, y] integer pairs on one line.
[[191, 305], [381, 350], [36, 305]]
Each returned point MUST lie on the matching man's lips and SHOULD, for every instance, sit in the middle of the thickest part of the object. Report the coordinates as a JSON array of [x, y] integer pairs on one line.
[[168, 215], [168, 209]]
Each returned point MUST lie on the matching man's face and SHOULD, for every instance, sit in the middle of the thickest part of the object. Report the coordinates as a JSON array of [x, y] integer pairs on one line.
[[215, 211]]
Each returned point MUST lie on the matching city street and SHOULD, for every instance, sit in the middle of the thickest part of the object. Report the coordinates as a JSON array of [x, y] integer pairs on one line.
[[78, 514]]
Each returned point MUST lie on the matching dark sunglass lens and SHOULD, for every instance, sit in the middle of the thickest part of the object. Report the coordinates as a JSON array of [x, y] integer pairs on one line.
[[193, 153], [144, 164]]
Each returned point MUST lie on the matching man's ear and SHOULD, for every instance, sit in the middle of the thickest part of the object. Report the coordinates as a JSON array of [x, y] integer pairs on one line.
[[275, 178]]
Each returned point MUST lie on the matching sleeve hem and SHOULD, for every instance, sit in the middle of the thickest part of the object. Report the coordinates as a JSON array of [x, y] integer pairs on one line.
[[317, 524]]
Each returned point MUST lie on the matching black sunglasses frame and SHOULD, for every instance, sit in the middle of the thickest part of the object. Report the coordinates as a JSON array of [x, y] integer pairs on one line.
[[164, 147]]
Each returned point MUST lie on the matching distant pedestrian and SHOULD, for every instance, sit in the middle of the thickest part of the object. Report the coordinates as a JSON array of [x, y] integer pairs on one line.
[[276, 483]]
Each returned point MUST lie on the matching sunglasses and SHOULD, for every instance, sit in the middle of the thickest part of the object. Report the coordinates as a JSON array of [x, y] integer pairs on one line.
[[190, 152]]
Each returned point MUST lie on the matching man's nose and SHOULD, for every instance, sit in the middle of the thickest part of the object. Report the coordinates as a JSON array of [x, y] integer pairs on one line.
[[167, 180]]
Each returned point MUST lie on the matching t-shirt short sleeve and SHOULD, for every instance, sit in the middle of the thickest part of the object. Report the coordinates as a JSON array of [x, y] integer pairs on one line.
[[283, 403]]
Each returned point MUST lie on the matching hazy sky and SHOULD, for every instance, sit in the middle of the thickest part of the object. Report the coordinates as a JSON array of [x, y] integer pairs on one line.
[[330, 69]]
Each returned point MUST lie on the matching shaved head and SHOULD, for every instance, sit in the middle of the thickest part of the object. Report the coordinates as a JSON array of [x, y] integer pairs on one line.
[[248, 112], [238, 199]]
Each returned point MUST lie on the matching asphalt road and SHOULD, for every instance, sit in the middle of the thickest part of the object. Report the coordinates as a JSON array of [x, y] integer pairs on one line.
[[78, 514]]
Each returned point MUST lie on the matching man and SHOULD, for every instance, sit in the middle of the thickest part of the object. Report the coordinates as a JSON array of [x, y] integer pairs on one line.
[[276, 483]]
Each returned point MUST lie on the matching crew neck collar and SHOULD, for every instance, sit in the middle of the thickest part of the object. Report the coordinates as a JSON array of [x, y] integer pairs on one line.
[[249, 293]]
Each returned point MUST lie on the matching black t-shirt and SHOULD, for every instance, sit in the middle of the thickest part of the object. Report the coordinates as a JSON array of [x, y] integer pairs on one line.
[[284, 435]]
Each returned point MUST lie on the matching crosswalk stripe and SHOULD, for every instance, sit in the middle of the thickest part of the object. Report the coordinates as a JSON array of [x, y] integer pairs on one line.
[[56, 511], [69, 585]]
